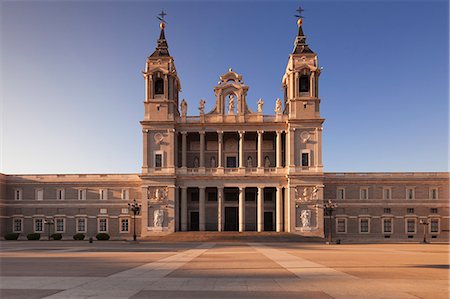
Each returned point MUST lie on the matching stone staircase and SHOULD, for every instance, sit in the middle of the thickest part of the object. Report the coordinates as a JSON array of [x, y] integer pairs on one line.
[[267, 237]]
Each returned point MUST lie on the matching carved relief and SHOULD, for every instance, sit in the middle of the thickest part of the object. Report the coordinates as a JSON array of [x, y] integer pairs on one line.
[[158, 218], [157, 194], [305, 218], [305, 136], [306, 193]]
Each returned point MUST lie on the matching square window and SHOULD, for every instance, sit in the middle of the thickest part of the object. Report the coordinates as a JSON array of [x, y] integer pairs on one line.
[[433, 210], [305, 159], [410, 210], [59, 225], [81, 225], [434, 225], [341, 226], [124, 226], [387, 225], [364, 225], [17, 225], [38, 225], [364, 193], [387, 210], [124, 211], [103, 211], [231, 162], [102, 225], [411, 225]]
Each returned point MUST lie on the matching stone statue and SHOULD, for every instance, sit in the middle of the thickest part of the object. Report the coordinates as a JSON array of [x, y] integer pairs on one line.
[[266, 161], [305, 194], [306, 218], [315, 192], [202, 106], [278, 106], [260, 105], [249, 162], [158, 218], [231, 105], [183, 108], [213, 162], [196, 162]]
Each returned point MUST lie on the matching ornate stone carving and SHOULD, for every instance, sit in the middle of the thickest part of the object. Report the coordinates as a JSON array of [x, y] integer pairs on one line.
[[158, 218], [158, 138], [157, 194], [305, 136], [307, 193], [230, 104]]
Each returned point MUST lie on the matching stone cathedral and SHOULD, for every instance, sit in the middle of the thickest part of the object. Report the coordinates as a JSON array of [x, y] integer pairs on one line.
[[231, 169]]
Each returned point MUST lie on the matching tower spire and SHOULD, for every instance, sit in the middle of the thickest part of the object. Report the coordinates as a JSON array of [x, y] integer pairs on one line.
[[300, 45], [162, 49]]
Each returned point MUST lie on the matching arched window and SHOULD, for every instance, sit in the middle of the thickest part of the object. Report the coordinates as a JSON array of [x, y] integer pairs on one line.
[[159, 86], [304, 83]]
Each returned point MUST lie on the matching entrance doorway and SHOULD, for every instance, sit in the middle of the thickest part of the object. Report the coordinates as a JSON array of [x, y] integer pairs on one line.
[[231, 218], [194, 221], [268, 221]]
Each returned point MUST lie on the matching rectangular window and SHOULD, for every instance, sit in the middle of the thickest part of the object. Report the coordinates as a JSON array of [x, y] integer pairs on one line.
[[387, 226], [341, 225], [81, 225], [38, 225], [17, 225], [364, 225], [125, 194], [231, 162], [410, 193], [82, 194], [386, 193], [124, 226], [304, 83], [434, 193], [17, 194], [410, 210], [103, 194], [340, 193], [59, 225], [124, 211], [305, 159], [103, 211], [364, 193], [60, 194], [39, 194], [433, 210], [158, 160], [387, 210], [434, 225], [411, 226], [212, 196], [102, 225]]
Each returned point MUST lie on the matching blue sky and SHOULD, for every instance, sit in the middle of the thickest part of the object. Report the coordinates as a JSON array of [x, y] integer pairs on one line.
[[72, 88]]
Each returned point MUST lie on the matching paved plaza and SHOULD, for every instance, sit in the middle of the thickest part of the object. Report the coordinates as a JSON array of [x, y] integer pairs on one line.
[[116, 269]]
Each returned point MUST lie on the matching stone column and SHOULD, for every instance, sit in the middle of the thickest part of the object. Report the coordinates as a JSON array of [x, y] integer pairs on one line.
[[297, 87], [279, 210], [241, 209], [201, 208], [312, 85], [166, 87], [220, 209], [260, 210], [202, 149], [319, 144], [183, 209], [241, 149], [150, 87], [145, 149], [260, 153], [291, 146], [279, 155], [183, 149], [176, 214], [220, 149]]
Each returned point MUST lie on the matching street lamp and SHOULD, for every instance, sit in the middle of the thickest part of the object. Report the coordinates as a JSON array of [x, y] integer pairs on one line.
[[136, 209], [425, 223], [48, 222], [328, 208]]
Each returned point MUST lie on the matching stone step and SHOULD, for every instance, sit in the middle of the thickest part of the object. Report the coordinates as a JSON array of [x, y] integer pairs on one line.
[[232, 237]]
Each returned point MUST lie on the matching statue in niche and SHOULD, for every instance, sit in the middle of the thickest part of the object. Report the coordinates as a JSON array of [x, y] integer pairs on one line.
[[278, 106], [249, 162], [231, 104], [158, 218], [212, 162], [202, 106], [266, 162], [183, 108], [260, 105], [306, 218], [315, 192], [196, 162]]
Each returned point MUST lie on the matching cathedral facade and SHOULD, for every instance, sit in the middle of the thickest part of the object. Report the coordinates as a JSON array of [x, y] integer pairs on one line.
[[231, 169]]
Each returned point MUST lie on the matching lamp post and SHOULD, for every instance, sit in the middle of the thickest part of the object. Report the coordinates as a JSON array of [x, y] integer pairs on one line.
[[136, 209], [328, 208], [425, 224], [48, 222]]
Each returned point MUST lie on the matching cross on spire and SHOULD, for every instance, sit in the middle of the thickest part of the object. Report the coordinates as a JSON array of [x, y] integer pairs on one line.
[[300, 10], [161, 15]]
